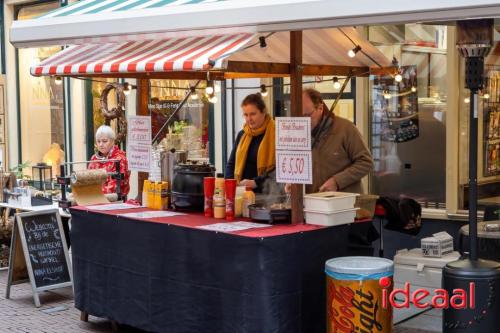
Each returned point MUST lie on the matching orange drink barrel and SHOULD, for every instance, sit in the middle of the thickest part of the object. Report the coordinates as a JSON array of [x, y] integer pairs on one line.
[[355, 295]]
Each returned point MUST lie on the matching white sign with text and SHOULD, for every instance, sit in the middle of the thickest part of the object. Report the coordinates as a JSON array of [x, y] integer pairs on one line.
[[139, 129], [139, 156], [294, 167], [293, 133]]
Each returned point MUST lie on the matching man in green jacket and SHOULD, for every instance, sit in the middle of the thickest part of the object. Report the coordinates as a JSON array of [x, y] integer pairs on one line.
[[340, 158]]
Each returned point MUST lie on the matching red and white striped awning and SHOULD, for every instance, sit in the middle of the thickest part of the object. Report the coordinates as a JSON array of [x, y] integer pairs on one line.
[[320, 47], [175, 54]]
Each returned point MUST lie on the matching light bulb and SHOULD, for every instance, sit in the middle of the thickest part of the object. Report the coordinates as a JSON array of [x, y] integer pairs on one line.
[[58, 80], [209, 90], [213, 99], [413, 89], [352, 53], [398, 77], [336, 83], [466, 100], [486, 96], [264, 93], [194, 96], [387, 95], [263, 90]]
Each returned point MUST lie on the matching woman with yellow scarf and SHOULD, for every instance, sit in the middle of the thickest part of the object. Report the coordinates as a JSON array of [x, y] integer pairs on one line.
[[253, 155]]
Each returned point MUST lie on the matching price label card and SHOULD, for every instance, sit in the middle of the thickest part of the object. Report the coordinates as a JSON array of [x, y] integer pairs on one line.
[[139, 157], [293, 133], [139, 129], [294, 167]]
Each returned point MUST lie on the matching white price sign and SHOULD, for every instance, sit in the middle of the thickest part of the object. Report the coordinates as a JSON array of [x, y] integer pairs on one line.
[[294, 167], [139, 129], [293, 133], [139, 157]]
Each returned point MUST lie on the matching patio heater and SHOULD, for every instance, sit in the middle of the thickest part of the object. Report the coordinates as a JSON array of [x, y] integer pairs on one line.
[[474, 41]]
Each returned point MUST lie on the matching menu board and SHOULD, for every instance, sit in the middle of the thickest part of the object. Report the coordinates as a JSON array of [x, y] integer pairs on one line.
[[45, 253]]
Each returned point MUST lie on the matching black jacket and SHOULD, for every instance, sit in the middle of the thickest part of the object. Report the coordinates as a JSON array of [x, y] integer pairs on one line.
[[250, 170]]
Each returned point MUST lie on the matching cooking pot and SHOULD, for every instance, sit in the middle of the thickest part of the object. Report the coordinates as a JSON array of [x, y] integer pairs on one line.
[[264, 213], [187, 186]]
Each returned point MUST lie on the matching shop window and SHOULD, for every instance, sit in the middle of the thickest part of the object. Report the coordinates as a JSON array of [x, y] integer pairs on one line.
[[94, 114], [41, 99], [325, 85], [408, 118], [188, 128], [488, 167]]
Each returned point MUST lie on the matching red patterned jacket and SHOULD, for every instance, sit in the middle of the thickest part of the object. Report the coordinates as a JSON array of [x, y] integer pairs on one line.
[[115, 154]]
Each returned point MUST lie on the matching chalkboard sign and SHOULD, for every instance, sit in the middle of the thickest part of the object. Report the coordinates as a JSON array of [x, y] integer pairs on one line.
[[45, 252]]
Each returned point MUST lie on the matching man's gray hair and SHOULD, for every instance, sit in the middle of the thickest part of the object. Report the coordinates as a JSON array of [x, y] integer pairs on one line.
[[107, 131]]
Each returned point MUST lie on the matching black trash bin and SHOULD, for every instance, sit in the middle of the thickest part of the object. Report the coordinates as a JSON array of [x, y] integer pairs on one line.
[[485, 316]]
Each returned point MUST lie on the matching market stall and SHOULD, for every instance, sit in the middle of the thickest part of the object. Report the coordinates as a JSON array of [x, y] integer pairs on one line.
[[158, 272]]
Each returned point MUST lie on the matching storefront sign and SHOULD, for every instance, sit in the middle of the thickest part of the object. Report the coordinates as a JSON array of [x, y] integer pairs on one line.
[[139, 129], [293, 133], [139, 156], [294, 167]]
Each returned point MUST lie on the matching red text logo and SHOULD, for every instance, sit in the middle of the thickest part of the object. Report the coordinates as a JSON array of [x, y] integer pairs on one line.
[[441, 299]]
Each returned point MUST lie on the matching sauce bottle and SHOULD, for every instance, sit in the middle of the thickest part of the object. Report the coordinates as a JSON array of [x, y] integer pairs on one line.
[[219, 197], [248, 199]]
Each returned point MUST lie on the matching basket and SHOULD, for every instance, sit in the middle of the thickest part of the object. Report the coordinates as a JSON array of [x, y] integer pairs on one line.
[[366, 204]]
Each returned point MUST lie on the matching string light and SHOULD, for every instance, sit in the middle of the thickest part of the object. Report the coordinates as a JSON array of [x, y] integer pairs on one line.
[[263, 90], [486, 96], [413, 89], [466, 100], [212, 98], [352, 53], [387, 95], [127, 88], [398, 77], [209, 89], [58, 80], [194, 95], [262, 42], [336, 83]]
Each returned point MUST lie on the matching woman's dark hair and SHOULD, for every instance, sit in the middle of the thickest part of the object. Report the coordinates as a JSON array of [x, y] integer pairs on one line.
[[256, 100]]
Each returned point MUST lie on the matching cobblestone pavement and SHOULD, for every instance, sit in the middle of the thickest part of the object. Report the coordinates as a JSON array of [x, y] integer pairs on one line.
[[57, 313]]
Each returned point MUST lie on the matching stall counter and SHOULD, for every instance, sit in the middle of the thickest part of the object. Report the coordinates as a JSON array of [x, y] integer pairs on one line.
[[168, 275]]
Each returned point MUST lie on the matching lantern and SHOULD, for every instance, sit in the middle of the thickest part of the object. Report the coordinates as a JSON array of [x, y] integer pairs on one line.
[[42, 176]]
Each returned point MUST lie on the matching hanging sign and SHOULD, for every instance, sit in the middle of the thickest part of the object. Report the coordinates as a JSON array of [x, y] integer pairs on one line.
[[294, 167], [139, 157], [139, 143], [39, 253], [293, 150], [293, 133]]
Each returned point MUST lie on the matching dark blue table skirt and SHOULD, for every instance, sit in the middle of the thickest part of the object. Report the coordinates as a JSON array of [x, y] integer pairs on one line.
[[165, 278]]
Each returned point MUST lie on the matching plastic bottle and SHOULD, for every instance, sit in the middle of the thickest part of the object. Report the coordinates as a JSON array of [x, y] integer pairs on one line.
[[145, 192], [238, 201], [219, 197], [248, 199]]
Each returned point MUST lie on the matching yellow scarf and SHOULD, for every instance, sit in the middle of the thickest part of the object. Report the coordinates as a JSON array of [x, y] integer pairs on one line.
[[266, 156]]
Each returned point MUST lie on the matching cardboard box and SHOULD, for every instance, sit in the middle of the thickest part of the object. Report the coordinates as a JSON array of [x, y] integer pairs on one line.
[[438, 245]]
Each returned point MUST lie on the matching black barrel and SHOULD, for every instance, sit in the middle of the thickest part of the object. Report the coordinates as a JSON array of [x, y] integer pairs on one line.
[[485, 316]]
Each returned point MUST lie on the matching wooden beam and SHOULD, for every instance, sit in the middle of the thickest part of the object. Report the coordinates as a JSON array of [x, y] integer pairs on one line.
[[296, 111], [181, 75], [335, 70], [142, 110], [257, 67]]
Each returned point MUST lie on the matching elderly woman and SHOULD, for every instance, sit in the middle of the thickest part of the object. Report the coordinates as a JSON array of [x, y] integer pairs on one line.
[[253, 154], [107, 150]]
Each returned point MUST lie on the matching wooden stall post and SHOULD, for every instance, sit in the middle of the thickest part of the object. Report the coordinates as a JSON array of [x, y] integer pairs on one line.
[[142, 110], [296, 69]]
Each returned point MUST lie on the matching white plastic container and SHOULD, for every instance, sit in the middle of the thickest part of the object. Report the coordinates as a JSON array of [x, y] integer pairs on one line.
[[339, 217], [329, 202], [411, 266]]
